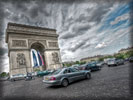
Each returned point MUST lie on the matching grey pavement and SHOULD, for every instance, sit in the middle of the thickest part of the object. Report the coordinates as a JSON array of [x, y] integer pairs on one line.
[[109, 83]]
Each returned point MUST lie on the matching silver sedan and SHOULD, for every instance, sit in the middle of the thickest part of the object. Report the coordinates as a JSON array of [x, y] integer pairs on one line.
[[64, 76]]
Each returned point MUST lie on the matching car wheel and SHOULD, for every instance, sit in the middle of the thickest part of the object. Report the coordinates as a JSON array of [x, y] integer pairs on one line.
[[65, 82], [88, 76]]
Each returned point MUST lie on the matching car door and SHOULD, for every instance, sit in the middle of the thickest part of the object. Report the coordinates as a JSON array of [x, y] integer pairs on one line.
[[69, 75], [76, 74]]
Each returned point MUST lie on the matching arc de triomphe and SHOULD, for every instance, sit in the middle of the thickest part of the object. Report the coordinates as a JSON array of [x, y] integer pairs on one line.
[[22, 38]]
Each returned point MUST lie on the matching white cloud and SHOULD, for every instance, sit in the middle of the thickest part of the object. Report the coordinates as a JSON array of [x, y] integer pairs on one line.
[[101, 45], [120, 18]]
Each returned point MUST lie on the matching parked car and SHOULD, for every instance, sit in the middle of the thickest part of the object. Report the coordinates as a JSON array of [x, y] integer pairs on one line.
[[93, 66], [29, 76], [83, 67], [4, 78], [100, 63], [17, 77], [64, 76], [42, 73], [111, 62], [119, 61], [115, 62], [34, 74], [131, 59]]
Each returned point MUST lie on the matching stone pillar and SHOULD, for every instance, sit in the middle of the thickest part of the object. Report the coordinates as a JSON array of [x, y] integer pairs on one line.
[[53, 60], [19, 62]]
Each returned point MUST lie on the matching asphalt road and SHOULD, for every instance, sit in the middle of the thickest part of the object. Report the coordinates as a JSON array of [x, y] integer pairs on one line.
[[111, 83]]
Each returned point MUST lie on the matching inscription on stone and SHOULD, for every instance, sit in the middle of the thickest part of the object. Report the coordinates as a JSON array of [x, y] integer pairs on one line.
[[53, 44], [19, 43], [55, 57], [21, 59]]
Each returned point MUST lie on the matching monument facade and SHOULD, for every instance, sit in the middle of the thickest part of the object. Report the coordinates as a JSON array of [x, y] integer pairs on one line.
[[22, 38]]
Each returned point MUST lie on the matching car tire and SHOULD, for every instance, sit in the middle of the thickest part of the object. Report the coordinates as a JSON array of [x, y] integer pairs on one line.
[[65, 83], [88, 76]]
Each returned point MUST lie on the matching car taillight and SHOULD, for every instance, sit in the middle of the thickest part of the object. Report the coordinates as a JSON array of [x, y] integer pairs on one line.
[[52, 78]]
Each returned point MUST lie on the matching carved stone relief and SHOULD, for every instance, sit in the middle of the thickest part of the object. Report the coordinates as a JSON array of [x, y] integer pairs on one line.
[[55, 57], [21, 59], [19, 43], [53, 44]]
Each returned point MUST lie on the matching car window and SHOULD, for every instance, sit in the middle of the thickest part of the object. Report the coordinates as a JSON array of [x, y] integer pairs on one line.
[[65, 71], [56, 71], [73, 70]]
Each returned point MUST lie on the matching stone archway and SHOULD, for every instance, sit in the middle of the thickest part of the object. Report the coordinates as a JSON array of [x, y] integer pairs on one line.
[[22, 38], [41, 49]]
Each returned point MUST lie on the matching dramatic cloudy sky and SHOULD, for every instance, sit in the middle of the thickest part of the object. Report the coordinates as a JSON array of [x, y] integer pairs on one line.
[[85, 28]]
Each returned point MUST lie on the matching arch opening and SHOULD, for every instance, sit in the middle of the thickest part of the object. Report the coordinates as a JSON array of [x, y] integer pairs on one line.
[[38, 57]]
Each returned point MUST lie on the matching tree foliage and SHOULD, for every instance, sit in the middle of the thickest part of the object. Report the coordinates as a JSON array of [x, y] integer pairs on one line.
[[4, 74]]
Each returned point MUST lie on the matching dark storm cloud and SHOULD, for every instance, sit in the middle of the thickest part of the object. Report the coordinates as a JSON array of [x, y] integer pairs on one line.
[[2, 15], [100, 11], [79, 44]]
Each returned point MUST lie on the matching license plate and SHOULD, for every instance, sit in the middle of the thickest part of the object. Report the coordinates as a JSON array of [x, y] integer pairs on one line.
[[46, 78]]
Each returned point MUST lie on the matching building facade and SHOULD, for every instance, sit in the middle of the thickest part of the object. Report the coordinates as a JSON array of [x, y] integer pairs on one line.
[[22, 38]]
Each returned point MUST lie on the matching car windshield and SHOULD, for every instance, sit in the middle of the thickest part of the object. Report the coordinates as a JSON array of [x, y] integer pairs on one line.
[[56, 72], [84, 65], [111, 60]]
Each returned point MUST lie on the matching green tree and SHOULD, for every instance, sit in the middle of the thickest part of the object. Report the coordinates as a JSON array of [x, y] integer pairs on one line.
[[101, 59], [82, 62], [3, 74], [77, 62], [119, 56]]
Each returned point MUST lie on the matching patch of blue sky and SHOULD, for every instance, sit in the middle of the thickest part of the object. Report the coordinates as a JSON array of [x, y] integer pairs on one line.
[[122, 9], [126, 25], [119, 24]]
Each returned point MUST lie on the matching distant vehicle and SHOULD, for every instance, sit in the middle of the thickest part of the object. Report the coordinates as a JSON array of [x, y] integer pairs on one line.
[[83, 67], [29, 76], [111, 62], [94, 65], [119, 61], [115, 62], [126, 59], [131, 59], [34, 74], [17, 77], [64, 76], [100, 63], [42, 73], [4, 78], [76, 65]]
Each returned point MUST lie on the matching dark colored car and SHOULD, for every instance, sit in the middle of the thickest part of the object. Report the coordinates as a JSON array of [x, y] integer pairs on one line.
[[64, 76], [93, 66], [83, 67], [131, 59], [29, 76], [119, 61], [42, 73]]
